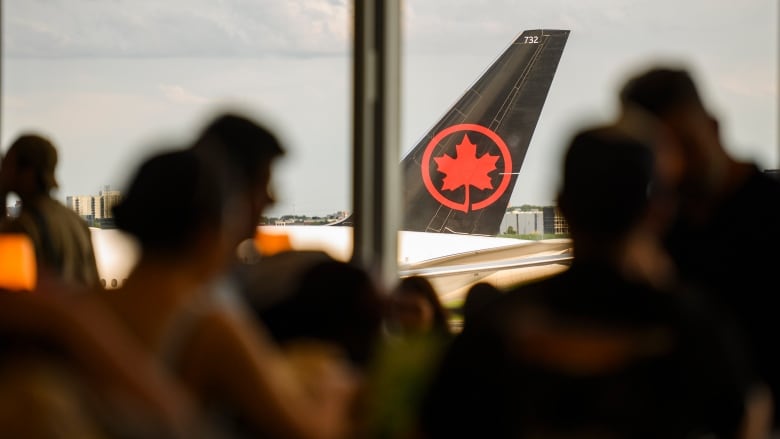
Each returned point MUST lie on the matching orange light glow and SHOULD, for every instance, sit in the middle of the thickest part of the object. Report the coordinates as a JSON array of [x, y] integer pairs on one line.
[[271, 243], [17, 263]]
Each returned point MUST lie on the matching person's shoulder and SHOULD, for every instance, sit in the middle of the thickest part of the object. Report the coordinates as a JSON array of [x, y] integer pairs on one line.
[[538, 286], [48, 207], [761, 184], [519, 297], [760, 195], [55, 210], [53, 205]]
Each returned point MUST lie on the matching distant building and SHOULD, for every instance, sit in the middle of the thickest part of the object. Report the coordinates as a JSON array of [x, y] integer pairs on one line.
[[107, 199], [523, 223], [83, 205], [554, 222], [547, 221], [97, 210]]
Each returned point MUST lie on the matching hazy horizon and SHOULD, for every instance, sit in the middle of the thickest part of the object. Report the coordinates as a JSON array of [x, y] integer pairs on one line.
[[112, 81]]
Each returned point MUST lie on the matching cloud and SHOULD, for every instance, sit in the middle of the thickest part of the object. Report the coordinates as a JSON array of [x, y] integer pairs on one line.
[[175, 28], [178, 94]]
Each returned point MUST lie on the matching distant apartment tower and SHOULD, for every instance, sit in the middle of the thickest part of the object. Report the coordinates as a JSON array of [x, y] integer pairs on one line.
[[523, 223], [83, 205], [106, 201], [554, 222]]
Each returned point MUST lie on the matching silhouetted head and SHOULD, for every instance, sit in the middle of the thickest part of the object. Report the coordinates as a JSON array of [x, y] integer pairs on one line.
[[335, 302], [246, 151], [671, 95], [29, 166], [245, 144], [416, 307], [661, 90], [607, 179], [480, 295], [172, 198]]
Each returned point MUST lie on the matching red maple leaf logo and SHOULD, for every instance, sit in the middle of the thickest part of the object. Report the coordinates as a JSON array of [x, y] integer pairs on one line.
[[466, 169]]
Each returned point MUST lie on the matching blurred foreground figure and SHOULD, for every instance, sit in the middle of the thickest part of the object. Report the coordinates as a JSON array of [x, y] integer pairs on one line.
[[178, 310], [729, 213], [417, 334], [68, 369], [416, 310], [478, 297], [61, 238], [241, 151], [334, 302], [604, 349]]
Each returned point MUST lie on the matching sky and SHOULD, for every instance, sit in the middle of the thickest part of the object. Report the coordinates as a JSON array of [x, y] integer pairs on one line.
[[111, 81]]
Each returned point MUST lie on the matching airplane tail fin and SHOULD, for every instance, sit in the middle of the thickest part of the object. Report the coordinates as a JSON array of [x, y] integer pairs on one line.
[[460, 176]]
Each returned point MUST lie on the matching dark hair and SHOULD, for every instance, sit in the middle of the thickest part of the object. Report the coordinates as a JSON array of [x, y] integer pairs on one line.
[[607, 178], [336, 302], [660, 90], [172, 197], [243, 144], [37, 153], [478, 297], [422, 287]]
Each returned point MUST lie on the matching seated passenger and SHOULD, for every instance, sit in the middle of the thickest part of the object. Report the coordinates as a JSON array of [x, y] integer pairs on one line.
[[63, 378], [415, 309], [61, 238], [418, 332], [334, 302], [601, 350], [478, 297], [178, 210], [718, 194]]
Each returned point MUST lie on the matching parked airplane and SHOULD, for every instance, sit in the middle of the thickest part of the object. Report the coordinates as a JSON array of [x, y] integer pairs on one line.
[[457, 184]]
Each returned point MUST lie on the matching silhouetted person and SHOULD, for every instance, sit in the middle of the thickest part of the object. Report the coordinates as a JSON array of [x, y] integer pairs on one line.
[[68, 369], [242, 151], [418, 332], [206, 335], [415, 309], [599, 350], [480, 295], [729, 212], [62, 240], [335, 302]]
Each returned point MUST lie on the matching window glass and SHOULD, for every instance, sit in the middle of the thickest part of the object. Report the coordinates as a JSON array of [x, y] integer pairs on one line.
[[111, 81], [731, 47]]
